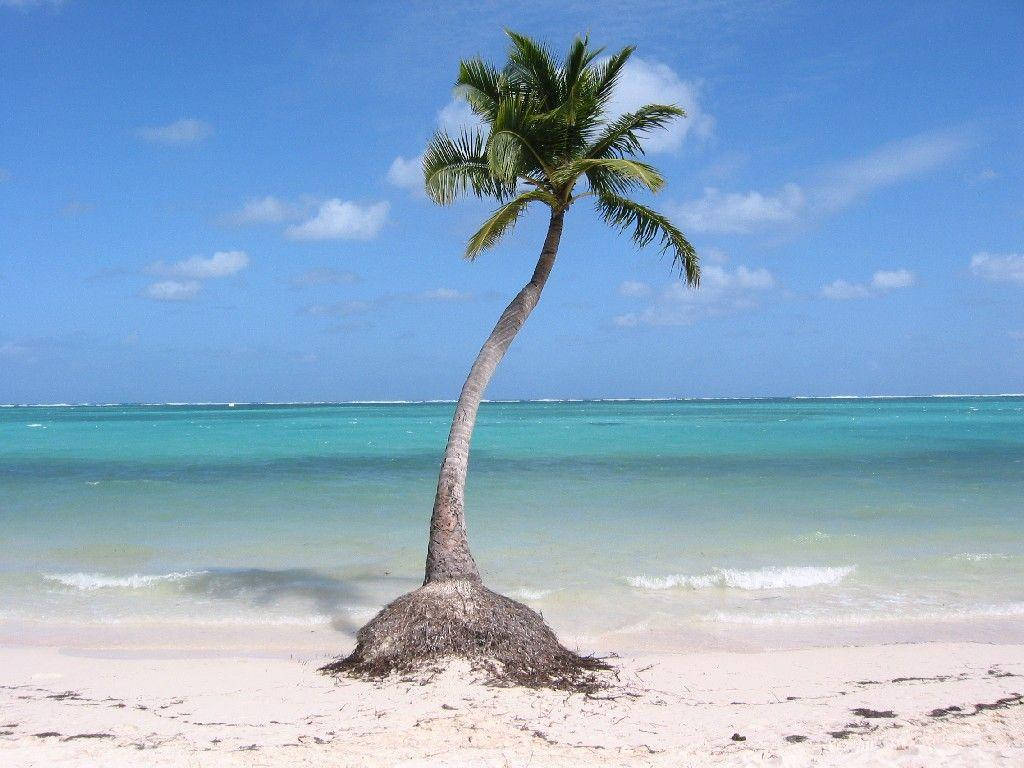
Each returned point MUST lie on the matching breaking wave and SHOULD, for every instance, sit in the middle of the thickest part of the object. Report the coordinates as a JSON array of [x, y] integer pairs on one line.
[[89, 582], [788, 577]]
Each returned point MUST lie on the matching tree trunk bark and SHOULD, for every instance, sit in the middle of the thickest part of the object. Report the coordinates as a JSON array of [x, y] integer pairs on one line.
[[448, 555]]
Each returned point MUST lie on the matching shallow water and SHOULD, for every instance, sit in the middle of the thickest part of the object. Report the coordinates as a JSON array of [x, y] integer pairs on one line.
[[697, 520]]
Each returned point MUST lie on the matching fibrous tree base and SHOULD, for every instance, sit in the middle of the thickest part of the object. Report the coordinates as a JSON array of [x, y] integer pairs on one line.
[[465, 620]]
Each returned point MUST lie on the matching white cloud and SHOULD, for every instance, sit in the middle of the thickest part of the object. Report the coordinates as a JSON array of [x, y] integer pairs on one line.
[[267, 209], [456, 116], [836, 188], [407, 174], [646, 82], [841, 290], [185, 131], [323, 276], [722, 292], [634, 289], [999, 268], [446, 294], [221, 264], [741, 211], [173, 290], [342, 219], [884, 280], [881, 282]]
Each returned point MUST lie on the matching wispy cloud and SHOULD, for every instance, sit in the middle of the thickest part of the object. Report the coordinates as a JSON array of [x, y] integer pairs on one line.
[[722, 292], [27, 4], [339, 309], [999, 268], [188, 130], [882, 281], [888, 165], [446, 294], [12, 350], [4, 175], [342, 219], [74, 208], [356, 307], [267, 210], [634, 289], [221, 264], [834, 189], [323, 276], [648, 82], [173, 290], [982, 177]]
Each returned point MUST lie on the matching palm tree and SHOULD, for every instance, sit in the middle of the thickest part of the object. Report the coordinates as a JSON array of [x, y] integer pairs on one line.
[[550, 141]]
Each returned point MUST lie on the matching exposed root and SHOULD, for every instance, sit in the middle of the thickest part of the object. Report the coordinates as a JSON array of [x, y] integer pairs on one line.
[[464, 619]]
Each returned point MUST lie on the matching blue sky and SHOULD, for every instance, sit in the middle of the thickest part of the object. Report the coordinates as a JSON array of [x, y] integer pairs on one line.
[[213, 202]]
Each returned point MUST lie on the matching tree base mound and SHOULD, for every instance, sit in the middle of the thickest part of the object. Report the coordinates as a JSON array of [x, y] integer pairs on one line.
[[465, 620]]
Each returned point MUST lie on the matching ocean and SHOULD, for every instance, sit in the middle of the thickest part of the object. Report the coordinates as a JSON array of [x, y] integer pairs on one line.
[[701, 523]]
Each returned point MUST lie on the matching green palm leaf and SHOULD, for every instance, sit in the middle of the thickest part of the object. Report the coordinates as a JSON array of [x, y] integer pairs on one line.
[[502, 220], [623, 136], [454, 166], [647, 225], [546, 129], [628, 173]]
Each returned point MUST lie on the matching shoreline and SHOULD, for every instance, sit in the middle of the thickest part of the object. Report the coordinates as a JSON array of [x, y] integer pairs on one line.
[[908, 704]]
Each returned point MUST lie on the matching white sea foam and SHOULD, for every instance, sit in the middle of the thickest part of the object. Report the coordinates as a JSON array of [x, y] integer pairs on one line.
[[525, 593], [1006, 610], [35, 426], [977, 557], [313, 620], [788, 577], [88, 582], [807, 538]]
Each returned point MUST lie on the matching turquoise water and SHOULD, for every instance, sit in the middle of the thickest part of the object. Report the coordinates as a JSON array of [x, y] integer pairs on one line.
[[696, 519]]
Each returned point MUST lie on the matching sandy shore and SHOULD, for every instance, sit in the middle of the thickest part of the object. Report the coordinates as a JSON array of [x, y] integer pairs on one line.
[[913, 705]]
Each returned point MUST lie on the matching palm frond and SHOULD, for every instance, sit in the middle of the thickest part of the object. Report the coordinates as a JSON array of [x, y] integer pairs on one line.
[[502, 220], [607, 75], [576, 64], [623, 135], [546, 128], [518, 142], [647, 224], [531, 68], [454, 166], [613, 173], [479, 83]]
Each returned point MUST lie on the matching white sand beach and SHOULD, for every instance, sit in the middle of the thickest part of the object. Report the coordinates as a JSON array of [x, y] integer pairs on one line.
[[926, 704]]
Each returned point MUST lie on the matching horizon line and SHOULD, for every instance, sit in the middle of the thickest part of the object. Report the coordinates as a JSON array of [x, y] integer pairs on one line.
[[236, 403]]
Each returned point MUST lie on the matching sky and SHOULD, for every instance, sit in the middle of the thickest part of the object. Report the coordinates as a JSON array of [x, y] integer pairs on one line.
[[208, 202]]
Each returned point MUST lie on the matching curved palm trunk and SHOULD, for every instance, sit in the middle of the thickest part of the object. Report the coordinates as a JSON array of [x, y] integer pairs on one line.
[[448, 555]]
